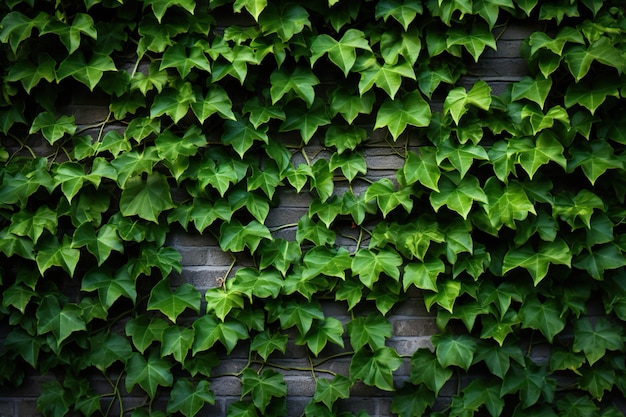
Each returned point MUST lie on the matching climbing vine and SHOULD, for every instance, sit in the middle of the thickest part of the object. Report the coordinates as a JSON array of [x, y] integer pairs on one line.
[[507, 211]]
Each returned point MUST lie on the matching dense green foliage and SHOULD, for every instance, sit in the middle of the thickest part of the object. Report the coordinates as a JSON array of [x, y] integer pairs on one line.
[[509, 216]]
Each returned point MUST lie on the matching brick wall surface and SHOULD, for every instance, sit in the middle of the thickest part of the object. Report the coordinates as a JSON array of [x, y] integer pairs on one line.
[[204, 265]]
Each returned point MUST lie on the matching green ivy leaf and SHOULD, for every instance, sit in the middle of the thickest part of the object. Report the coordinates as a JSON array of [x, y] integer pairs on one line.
[[254, 7], [454, 350], [108, 348], [595, 339], [173, 302], [368, 265], [89, 73], [52, 128], [301, 81], [215, 101], [149, 373], [221, 301], [173, 102], [209, 330], [343, 138], [300, 315], [372, 330], [17, 27], [110, 286], [176, 341], [185, 59], [506, 205], [146, 199], [314, 232], [375, 368], [531, 382], [70, 34], [498, 357], [394, 44], [460, 156], [330, 262], [321, 332], [538, 262], [591, 95], [396, 114], [285, 20], [546, 148], [346, 102], [263, 387], [279, 253], [598, 380], [30, 74], [532, 89], [594, 158], [32, 225], [53, 400], [579, 58], [388, 77], [474, 40], [53, 252], [545, 317], [458, 194], [402, 11], [422, 167], [159, 7], [580, 206], [328, 391], [189, 399], [60, 321], [307, 121], [447, 293], [458, 100], [265, 343], [598, 260], [342, 52], [144, 331], [387, 198], [234, 236], [260, 113], [426, 369], [423, 275]]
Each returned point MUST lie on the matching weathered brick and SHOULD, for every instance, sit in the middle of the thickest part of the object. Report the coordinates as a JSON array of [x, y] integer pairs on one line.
[[300, 385], [414, 326], [283, 216], [226, 386], [8, 408], [408, 345], [27, 407], [296, 405]]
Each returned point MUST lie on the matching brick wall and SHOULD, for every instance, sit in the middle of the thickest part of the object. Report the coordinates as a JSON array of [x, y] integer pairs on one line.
[[204, 264]]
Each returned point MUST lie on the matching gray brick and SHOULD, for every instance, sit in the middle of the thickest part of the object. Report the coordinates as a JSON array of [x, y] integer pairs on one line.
[[8, 408], [300, 385], [282, 216], [414, 327], [27, 407], [226, 386], [296, 405], [408, 345]]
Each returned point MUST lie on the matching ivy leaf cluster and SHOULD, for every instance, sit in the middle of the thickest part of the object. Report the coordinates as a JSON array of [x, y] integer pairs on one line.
[[504, 212]]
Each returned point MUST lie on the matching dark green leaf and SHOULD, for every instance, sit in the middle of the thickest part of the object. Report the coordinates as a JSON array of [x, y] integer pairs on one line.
[[149, 373], [375, 368]]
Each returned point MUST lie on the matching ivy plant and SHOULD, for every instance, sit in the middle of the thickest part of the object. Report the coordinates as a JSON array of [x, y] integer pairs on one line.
[[505, 210]]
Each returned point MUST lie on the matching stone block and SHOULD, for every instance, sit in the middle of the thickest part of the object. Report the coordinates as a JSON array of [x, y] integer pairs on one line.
[[27, 407], [414, 327], [8, 408], [226, 386]]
